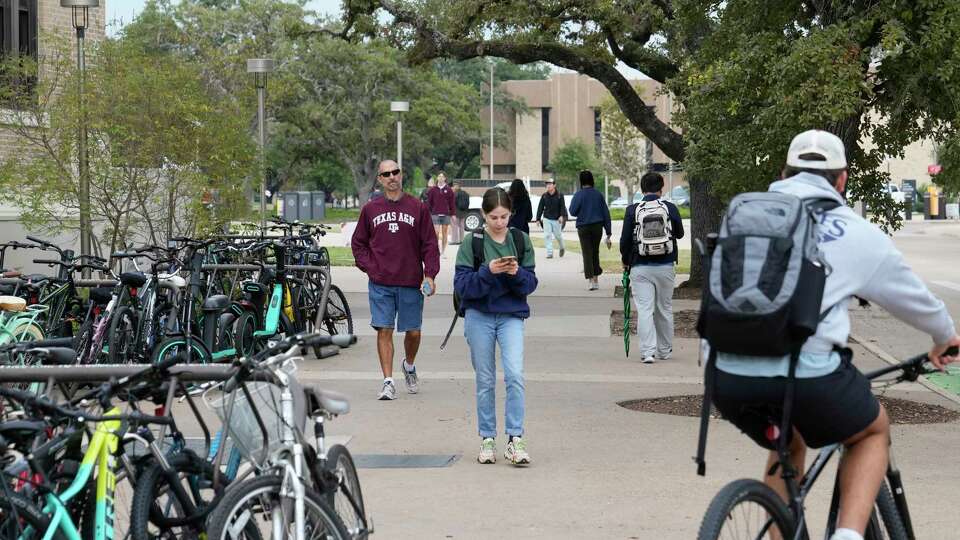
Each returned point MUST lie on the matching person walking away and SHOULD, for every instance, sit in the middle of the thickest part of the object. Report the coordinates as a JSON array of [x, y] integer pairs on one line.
[[426, 191], [831, 399], [522, 209], [593, 218], [552, 216], [440, 202], [461, 205], [493, 291], [396, 246], [648, 248]]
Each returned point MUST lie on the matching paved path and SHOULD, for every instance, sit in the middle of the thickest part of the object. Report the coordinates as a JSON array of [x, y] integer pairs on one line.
[[600, 471]]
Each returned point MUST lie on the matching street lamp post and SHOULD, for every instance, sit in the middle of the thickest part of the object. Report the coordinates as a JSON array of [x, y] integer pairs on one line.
[[400, 107], [260, 67], [491, 120], [81, 20]]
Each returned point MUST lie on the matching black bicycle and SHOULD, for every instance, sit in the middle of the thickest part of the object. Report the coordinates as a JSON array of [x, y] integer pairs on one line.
[[750, 509]]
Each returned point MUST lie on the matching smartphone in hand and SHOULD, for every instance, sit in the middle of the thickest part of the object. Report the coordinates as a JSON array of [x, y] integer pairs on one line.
[[508, 259]]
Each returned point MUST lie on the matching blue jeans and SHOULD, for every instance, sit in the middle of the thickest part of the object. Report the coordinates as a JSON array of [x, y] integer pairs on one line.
[[551, 230], [483, 331]]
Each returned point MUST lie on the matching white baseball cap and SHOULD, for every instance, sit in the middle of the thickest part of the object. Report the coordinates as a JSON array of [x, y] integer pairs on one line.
[[816, 149]]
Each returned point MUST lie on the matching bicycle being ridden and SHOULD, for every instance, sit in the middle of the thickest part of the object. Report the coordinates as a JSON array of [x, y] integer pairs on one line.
[[807, 392]]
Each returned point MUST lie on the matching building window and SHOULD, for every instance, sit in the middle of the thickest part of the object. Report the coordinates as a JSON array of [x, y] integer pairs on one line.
[[504, 169], [18, 37], [597, 131], [544, 138]]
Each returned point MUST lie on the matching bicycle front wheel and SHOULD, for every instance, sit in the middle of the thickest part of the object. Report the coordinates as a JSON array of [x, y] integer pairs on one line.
[[746, 509], [885, 522], [263, 507], [346, 498]]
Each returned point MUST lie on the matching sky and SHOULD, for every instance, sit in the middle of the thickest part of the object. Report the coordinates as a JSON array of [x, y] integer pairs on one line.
[[120, 12], [124, 11]]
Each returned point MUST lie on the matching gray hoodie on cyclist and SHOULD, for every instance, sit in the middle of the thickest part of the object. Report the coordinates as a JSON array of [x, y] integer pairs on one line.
[[864, 263]]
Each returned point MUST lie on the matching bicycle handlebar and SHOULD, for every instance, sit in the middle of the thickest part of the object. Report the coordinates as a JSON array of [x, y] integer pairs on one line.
[[913, 368]]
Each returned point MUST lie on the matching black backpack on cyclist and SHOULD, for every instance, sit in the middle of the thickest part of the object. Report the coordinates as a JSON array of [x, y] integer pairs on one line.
[[763, 289], [476, 244]]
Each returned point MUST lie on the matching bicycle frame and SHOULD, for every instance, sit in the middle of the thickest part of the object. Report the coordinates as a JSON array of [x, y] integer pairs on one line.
[[100, 455], [9, 322]]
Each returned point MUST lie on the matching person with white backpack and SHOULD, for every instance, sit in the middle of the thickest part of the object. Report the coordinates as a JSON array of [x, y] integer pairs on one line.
[[648, 248]]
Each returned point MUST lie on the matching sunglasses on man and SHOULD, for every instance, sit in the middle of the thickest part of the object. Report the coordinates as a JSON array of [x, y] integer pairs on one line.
[[388, 174]]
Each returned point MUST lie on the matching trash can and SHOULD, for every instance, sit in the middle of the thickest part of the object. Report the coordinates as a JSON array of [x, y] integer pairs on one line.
[[952, 211], [291, 206], [318, 208], [908, 208]]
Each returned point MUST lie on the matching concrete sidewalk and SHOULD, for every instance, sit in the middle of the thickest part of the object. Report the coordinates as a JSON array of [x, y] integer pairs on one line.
[[599, 470]]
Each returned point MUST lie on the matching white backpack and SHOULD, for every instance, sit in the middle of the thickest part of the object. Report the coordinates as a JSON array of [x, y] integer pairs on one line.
[[652, 233]]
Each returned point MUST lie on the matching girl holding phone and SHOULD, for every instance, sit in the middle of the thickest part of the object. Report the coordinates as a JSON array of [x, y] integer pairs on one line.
[[494, 293]]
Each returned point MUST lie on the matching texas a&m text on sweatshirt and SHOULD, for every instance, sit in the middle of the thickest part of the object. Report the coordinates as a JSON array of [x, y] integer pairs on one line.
[[395, 243]]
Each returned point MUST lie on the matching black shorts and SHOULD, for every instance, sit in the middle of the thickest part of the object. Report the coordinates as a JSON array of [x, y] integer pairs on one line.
[[827, 410]]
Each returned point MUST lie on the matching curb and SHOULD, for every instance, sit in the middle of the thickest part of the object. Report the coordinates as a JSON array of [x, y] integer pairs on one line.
[[888, 358]]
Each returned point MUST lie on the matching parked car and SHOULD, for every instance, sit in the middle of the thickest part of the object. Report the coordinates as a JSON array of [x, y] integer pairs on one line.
[[621, 202], [474, 217], [679, 196]]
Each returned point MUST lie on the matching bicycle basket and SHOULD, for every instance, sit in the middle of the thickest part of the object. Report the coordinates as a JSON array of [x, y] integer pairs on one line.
[[241, 424]]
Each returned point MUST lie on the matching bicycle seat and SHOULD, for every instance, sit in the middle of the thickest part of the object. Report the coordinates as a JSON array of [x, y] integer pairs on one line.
[[133, 279], [217, 302], [11, 274], [34, 279], [172, 281], [101, 295], [331, 402], [12, 303], [253, 287], [58, 356]]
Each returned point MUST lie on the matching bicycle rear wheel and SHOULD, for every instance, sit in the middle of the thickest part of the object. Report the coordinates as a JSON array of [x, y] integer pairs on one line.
[[258, 507], [746, 509], [337, 318], [21, 519]]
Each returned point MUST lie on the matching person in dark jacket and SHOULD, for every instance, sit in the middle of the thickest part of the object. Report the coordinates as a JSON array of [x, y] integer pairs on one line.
[[461, 204], [440, 202], [552, 216], [494, 296], [522, 209], [396, 246], [652, 276], [593, 218]]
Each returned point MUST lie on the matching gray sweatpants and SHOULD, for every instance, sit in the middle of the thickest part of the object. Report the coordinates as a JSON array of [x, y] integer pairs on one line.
[[652, 288]]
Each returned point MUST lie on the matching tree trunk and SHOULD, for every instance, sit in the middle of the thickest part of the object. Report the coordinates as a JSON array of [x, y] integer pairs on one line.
[[705, 216]]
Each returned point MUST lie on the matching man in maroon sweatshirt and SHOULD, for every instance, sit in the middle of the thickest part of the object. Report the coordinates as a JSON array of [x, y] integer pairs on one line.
[[395, 245]]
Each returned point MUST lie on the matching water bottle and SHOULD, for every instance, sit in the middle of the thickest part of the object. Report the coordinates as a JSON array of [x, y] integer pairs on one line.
[[426, 289]]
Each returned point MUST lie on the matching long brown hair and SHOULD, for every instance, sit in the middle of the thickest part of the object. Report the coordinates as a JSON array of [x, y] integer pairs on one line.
[[495, 197]]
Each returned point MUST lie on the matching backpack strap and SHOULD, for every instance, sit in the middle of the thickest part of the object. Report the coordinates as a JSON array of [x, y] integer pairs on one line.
[[477, 245], [518, 243], [709, 372]]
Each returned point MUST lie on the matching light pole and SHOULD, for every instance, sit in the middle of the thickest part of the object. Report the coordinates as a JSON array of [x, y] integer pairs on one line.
[[260, 67], [491, 120], [400, 107], [81, 20]]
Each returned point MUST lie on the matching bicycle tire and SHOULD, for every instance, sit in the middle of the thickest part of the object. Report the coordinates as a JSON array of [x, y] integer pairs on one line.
[[340, 463], [30, 517], [885, 522], [146, 511], [243, 329], [742, 492], [337, 318], [122, 331], [173, 345], [238, 503]]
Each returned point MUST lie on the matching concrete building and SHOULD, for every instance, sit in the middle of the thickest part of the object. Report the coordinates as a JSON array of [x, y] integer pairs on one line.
[[27, 27], [563, 108]]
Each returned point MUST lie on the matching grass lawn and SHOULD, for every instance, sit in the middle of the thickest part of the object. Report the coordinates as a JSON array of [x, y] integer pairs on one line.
[[610, 258], [339, 215], [341, 256]]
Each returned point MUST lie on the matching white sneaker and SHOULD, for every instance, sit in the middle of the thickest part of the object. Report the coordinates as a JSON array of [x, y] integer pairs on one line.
[[846, 534], [488, 451], [649, 360], [410, 379], [388, 392], [516, 452]]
